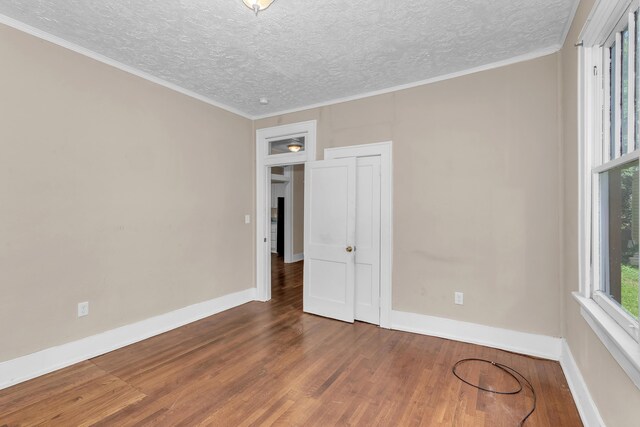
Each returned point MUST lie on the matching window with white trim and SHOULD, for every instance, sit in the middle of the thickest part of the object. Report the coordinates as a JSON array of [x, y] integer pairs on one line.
[[610, 192], [615, 179]]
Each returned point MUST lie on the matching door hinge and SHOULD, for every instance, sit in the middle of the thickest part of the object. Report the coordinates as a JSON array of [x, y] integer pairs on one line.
[[595, 70], [265, 240]]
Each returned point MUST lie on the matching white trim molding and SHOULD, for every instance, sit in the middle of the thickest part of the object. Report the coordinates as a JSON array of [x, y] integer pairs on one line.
[[567, 25], [624, 349], [604, 15], [617, 330], [297, 257], [504, 339], [263, 190], [288, 214], [21, 26], [51, 359], [516, 59], [536, 345], [582, 397]]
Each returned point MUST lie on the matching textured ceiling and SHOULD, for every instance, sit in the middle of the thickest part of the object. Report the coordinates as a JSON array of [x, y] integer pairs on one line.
[[299, 53]]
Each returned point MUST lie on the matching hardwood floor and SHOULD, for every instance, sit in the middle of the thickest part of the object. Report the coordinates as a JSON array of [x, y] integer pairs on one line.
[[270, 364]]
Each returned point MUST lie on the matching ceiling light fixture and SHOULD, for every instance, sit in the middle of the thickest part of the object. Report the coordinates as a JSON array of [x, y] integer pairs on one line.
[[257, 5], [295, 146]]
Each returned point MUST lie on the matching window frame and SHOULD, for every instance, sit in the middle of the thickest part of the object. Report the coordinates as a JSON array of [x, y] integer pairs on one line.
[[618, 330], [604, 160]]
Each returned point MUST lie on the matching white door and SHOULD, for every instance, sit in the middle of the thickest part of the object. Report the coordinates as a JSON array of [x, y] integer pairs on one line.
[[329, 230], [367, 252]]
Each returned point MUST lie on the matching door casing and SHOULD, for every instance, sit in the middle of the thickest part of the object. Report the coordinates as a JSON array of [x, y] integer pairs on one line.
[[263, 191], [263, 196]]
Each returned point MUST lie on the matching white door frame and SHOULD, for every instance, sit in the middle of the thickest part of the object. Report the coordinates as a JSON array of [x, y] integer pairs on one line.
[[263, 190], [288, 214], [287, 180], [384, 150]]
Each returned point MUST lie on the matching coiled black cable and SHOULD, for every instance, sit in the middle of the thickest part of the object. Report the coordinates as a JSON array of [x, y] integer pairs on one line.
[[509, 370]]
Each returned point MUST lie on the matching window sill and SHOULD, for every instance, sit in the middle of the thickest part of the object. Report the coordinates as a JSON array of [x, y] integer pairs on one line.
[[620, 344]]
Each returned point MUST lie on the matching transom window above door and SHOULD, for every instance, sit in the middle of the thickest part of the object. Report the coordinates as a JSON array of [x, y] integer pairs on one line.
[[277, 146], [287, 145]]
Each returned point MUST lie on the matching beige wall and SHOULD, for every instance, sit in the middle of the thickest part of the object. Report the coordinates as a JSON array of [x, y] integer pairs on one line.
[[615, 395], [120, 192], [298, 209], [113, 190], [476, 191]]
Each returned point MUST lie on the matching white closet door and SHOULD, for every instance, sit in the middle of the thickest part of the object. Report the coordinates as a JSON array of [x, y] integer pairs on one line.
[[330, 216], [368, 240]]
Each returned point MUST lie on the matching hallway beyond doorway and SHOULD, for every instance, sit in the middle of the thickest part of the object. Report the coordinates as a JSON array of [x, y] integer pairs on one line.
[[286, 282]]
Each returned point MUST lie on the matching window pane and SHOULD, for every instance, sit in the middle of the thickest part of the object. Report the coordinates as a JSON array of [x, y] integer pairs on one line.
[[619, 212], [612, 103], [637, 95], [288, 145], [624, 93]]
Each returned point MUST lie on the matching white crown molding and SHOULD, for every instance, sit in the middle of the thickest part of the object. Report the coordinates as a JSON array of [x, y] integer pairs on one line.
[[505, 339], [584, 402], [51, 359], [567, 25], [514, 60], [21, 26]]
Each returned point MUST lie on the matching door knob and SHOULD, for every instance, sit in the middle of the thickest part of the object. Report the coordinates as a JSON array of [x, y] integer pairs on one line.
[[349, 249]]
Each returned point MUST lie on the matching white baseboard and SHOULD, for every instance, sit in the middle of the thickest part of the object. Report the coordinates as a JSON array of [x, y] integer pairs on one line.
[[51, 359], [33, 365], [586, 406], [296, 257], [505, 339]]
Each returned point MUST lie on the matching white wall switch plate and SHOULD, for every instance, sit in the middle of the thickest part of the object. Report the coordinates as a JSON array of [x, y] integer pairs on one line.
[[83, 309], [247, 219], [458, 298]]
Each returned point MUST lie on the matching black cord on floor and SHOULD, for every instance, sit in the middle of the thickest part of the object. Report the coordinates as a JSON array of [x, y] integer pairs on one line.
[[509, 370]]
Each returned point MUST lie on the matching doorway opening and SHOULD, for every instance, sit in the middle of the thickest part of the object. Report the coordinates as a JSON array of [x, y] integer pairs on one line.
[[287, 233], [341, 278], [277, 147]]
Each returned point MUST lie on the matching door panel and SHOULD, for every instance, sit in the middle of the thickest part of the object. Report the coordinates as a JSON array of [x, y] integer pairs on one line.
[[367, 288], [330, 216], [331, 272]]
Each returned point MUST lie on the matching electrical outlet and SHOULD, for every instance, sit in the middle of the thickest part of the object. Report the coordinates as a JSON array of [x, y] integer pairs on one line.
[[83, 309], [458, 298]]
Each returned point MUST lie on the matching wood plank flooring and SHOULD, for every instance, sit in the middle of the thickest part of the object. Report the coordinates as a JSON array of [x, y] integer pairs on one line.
[[270, 364]]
